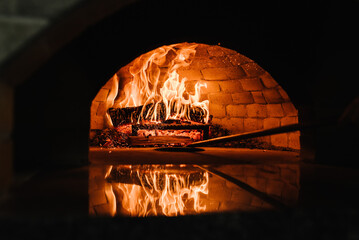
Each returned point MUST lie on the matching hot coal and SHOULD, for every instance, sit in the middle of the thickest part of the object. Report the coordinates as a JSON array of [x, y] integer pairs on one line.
[[173, 129], [110, 138]]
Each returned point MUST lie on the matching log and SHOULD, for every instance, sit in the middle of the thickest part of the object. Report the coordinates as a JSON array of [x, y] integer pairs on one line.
[[120, 116], [127, 115], [197, 114]]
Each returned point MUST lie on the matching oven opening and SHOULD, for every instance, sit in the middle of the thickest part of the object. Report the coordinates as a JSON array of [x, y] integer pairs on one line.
[[183, 93]]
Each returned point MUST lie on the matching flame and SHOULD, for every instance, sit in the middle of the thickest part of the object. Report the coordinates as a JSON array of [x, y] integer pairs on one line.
[[162, 193], [111, 198], [157, 86]]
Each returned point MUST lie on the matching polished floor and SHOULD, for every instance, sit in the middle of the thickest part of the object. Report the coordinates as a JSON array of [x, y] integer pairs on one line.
[[273, 185]]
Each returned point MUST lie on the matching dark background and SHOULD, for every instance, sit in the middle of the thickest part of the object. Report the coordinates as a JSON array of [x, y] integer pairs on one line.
[[309, 47]]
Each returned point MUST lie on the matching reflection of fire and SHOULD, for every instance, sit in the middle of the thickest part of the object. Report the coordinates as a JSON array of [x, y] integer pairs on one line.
[[152, 191]]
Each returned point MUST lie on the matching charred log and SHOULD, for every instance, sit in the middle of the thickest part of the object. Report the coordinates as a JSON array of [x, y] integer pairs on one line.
[[197, 114], [120, 116]]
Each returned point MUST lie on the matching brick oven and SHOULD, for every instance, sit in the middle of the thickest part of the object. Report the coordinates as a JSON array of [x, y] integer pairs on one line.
[[242, 96]]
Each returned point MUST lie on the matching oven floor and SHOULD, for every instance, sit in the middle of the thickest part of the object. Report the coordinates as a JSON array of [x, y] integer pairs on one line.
[[259, 183]]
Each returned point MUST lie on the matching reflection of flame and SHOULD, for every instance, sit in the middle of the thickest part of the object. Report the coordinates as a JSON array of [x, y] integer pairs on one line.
[[160, 193], [157, 85]]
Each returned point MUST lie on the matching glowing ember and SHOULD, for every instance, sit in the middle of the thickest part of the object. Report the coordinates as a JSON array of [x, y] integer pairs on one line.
[[158, 88], [155, 192], [192, 134]]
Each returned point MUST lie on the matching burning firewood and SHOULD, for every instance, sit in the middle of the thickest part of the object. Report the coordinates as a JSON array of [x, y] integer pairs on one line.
[[171, 132], [120, 116]]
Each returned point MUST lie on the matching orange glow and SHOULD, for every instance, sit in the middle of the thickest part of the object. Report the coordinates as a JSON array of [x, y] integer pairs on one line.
[[156, 192], [111, 199], [157, 86]]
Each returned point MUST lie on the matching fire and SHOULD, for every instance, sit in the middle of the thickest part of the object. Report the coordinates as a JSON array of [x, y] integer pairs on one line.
[[158, 88], [156, 192]]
